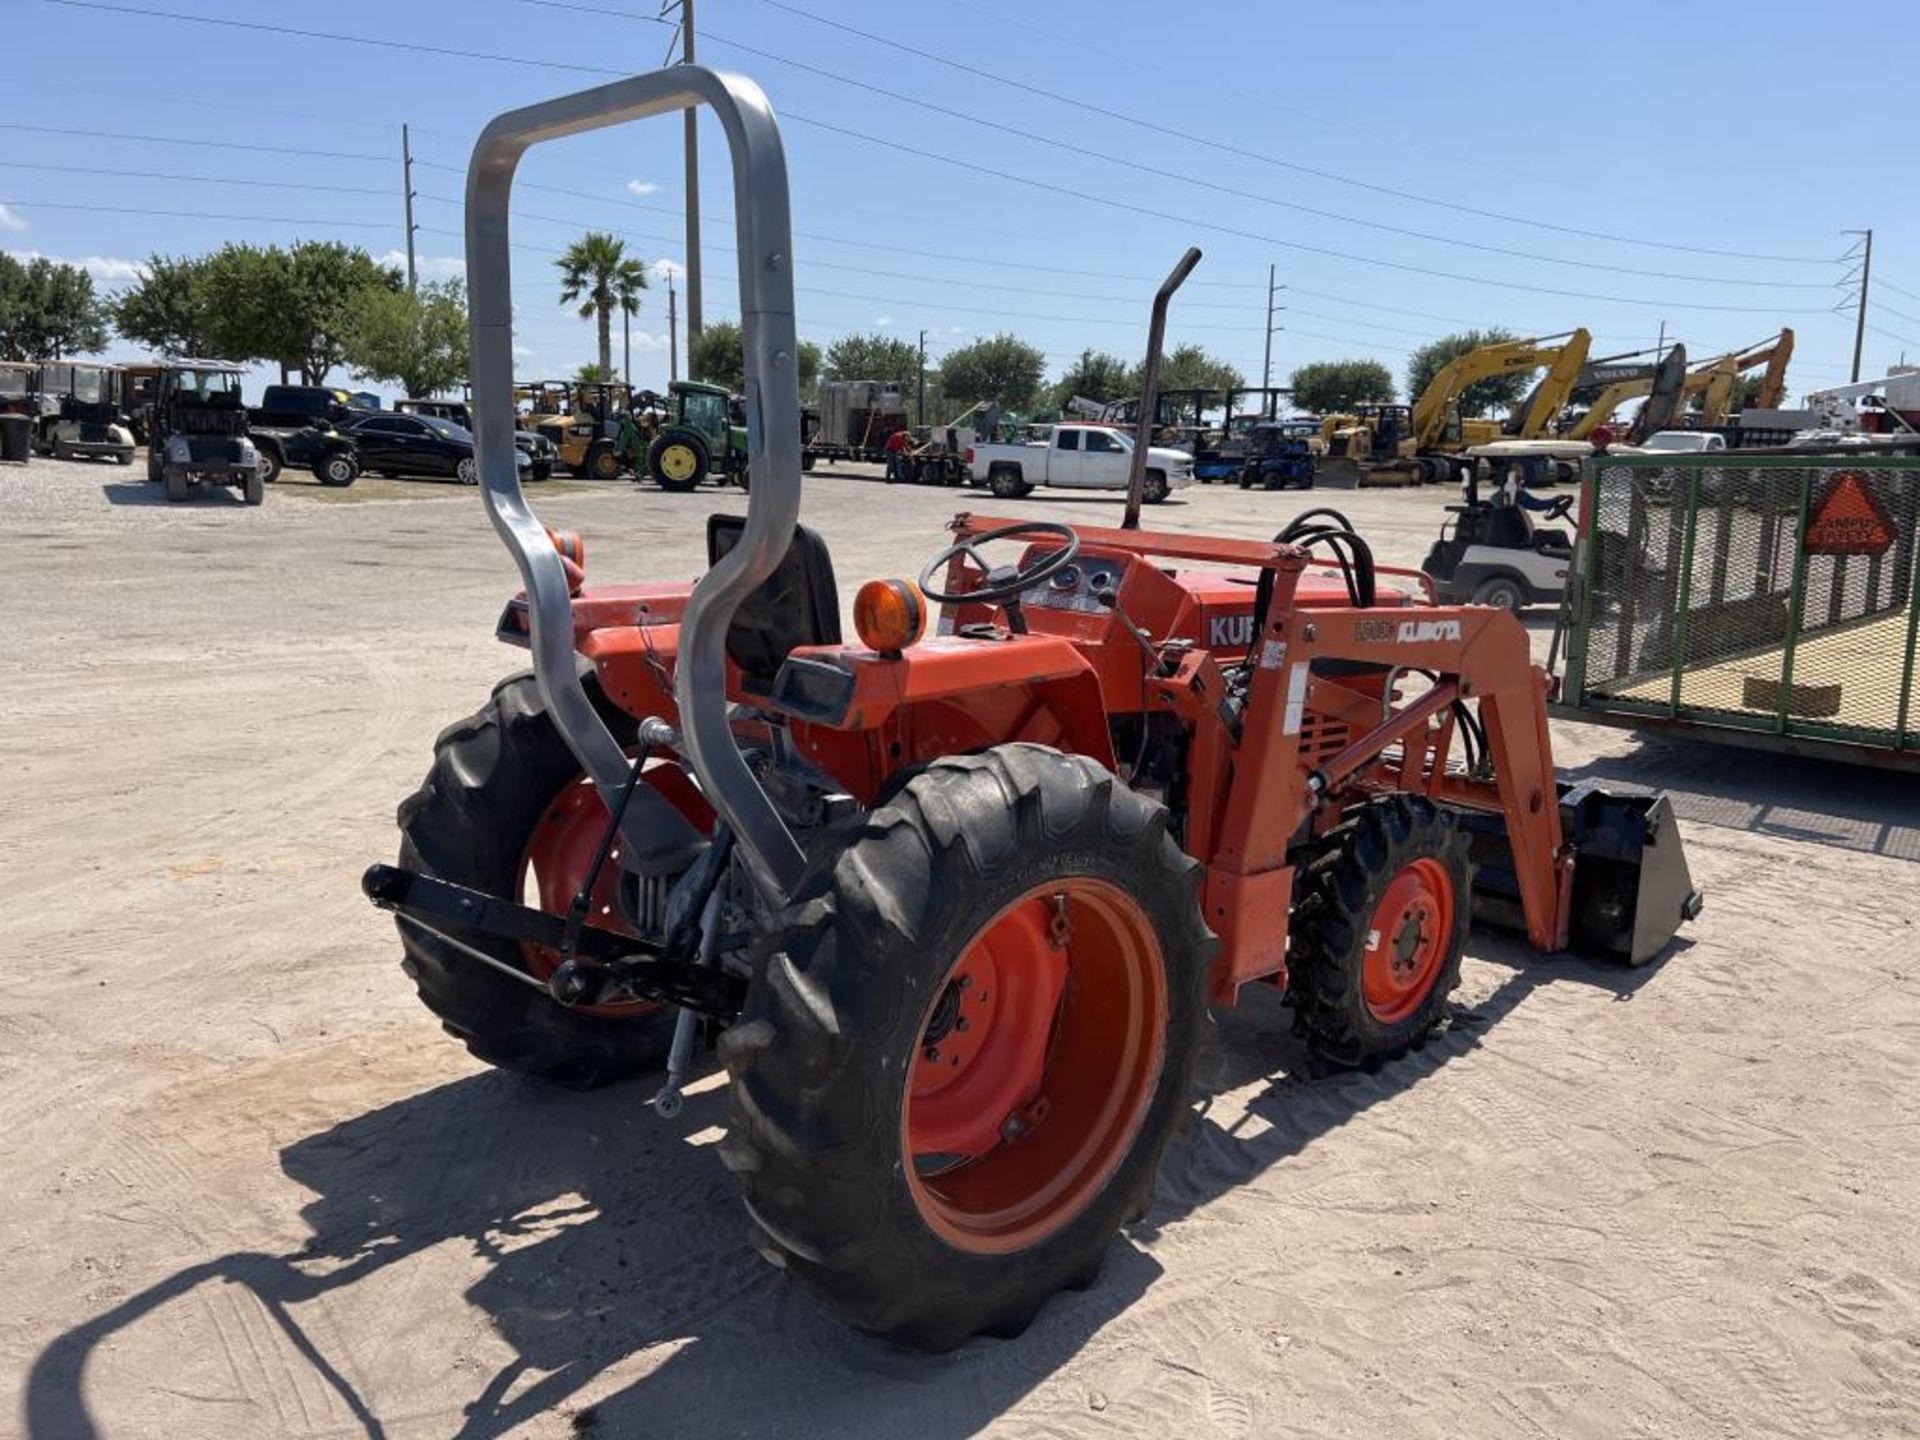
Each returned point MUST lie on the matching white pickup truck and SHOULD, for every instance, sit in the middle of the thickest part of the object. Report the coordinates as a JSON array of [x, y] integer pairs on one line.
[[1077, 457]]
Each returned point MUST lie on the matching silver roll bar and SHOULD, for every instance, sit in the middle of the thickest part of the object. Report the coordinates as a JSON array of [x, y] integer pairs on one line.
[[765, 229]]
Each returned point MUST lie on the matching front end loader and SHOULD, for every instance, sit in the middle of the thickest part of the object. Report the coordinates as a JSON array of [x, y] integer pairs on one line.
[[951, 906]]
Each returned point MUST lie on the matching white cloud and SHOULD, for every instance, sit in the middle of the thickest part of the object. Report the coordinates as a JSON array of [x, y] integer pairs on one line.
[[665, 268], [520, 352], [430, 267], [10, 221], [956, 329], [883, 319], [641, 187], [103, 268]]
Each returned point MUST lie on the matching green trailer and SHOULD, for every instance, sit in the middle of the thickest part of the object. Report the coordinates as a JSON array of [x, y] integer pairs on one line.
[[1764, 601]]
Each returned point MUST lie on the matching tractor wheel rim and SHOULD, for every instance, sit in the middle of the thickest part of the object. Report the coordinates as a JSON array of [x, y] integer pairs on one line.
[[1407, 940], [676, 462], [605, 467], [338, 470], [559, 853], [1034, 1066]]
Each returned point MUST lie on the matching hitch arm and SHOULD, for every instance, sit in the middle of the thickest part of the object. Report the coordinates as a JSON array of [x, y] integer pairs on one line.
[[605, 959]]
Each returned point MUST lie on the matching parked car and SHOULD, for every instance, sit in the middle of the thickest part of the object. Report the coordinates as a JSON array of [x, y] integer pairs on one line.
[[1077, 457], [1685, 442], [404, 445], [539, 450]]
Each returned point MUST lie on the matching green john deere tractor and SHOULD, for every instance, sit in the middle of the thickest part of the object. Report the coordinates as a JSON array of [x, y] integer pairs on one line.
[[702, 433]]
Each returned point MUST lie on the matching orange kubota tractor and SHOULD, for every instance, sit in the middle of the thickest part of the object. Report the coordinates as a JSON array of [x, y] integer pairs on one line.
[[952, 906]]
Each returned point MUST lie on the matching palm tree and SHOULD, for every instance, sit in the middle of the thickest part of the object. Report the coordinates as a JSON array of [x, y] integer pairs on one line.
[[597, 272]]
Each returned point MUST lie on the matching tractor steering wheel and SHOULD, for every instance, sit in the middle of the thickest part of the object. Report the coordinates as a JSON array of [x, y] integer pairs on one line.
[[1561, 508], [1002, 582]]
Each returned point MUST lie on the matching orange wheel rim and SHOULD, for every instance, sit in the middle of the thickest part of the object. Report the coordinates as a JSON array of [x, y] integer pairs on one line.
[[1034, 1067], [1411, 931]]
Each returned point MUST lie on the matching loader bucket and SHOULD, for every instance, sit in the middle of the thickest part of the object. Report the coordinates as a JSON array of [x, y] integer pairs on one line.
[[1632, 890]]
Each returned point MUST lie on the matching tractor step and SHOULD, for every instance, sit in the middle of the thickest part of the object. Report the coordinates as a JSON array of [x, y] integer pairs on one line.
[[1632, 890]]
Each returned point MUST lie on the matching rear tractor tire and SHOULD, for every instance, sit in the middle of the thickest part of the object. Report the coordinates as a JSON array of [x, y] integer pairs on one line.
[[1379, 925], [678, 461], [969, 1039], [505, 805]]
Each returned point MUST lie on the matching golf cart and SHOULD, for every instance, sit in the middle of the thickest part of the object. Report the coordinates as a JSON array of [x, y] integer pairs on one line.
[[1276, 456], [199, 432], [86, 422], [704, 431], [1497, 554]]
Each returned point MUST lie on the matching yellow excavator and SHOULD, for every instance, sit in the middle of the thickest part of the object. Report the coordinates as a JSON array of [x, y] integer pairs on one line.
[[1423, 445], [1719, 379]]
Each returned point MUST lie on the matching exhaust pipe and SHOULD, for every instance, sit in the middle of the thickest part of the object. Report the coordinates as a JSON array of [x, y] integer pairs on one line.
[[1632, 890]]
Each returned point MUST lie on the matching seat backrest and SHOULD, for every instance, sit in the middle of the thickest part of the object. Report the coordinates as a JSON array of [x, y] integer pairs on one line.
[[798, 604]]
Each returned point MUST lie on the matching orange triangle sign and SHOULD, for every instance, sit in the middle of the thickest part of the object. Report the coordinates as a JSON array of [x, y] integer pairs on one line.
[[1847, 518]]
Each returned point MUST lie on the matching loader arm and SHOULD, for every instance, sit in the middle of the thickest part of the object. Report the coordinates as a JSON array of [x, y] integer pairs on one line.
[[1549, 397]]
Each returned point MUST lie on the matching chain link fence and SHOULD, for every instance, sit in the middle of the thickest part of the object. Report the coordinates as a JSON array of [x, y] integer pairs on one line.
[[1768, 596]]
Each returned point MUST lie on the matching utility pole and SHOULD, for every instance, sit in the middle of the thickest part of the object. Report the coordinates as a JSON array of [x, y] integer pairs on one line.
[[1860, 318], [626, 346], [406, 184], [693, 190], [673, 333], [1266, 367], [921, 404]]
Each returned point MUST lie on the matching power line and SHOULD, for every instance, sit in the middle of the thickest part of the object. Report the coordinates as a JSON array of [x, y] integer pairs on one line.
[[1889, 285], [1265, 159], [1177, 177], [201, 214], [176, 140], [194, 179], [1274, 239]]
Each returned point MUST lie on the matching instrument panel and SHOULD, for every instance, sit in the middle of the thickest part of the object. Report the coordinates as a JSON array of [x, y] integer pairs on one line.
[[1082, 587]]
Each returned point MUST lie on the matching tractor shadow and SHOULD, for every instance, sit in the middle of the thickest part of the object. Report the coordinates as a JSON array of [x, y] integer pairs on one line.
[[1791, 797], [1296, 1104], [603, 1233]]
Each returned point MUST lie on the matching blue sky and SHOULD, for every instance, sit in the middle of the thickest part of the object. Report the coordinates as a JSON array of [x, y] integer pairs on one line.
[[1625, 163]]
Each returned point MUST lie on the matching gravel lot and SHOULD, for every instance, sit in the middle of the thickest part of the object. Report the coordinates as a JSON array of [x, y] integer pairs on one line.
[[251, 1190]]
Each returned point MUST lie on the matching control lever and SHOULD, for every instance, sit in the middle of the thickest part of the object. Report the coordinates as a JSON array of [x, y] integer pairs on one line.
[[1111, 599]]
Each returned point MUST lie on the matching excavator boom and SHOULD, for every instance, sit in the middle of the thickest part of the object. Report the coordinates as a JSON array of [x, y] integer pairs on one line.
[[1435, 407]]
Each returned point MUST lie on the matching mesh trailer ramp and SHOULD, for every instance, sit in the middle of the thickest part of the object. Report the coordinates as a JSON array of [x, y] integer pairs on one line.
[[1766, 601]]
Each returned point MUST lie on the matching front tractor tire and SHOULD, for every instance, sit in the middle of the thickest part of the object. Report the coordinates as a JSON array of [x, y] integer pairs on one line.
[[503, 808], [1378, 930], [969, 1039]]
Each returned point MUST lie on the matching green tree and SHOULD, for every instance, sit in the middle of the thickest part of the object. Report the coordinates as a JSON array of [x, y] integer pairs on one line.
[[1000, 368], [1096, 375], [167, 309], [285, 306], [48, 311], [416, 340], [323, 276], [1496, 392], [599, 276], [719, 357], [1330, 385], [594, 373], [1191, 367], [885, 358]]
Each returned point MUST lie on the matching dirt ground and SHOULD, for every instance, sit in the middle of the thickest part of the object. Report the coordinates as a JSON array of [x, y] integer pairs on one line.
[[251, 1190]]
